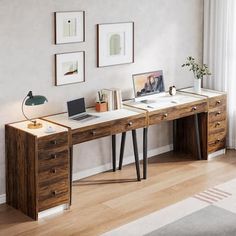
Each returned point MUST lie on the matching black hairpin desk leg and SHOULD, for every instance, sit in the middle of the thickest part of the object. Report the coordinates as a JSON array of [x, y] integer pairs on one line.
[[145, 161], [197, 137], [114, 152], [134, 136], [122, 148]]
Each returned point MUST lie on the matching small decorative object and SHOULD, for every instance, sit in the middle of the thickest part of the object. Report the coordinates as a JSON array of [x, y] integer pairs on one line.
[[33, 100], [70, 68], [198, 71], [101, 105], [148, 83], [70, 27], [115, 44], [172, 90]]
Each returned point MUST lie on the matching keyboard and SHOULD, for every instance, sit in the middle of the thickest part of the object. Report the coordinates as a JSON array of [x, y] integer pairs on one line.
[[83, 117]]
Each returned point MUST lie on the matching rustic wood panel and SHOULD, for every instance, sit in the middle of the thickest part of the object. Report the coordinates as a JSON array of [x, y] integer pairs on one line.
[[185, 135], [21, 171]]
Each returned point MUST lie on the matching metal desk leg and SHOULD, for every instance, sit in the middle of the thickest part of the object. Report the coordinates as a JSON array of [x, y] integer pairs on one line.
[[71, 173], [134, 135], [122, 147], [145, 161], [114, 152], [197, 136]]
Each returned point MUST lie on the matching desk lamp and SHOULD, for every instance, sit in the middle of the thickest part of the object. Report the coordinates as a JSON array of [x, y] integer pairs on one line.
[[33, 100]]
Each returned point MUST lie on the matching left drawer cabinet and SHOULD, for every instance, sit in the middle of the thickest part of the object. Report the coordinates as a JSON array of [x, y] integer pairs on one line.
[[37, 168]]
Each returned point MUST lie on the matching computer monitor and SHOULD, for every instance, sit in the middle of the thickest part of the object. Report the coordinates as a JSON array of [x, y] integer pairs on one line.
[[148, 83]]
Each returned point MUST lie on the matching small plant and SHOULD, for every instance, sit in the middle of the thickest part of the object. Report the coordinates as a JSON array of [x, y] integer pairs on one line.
[[198, 70]]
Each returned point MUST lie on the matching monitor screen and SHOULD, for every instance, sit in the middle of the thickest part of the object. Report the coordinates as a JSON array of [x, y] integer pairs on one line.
[[148, 83], [76, 107]]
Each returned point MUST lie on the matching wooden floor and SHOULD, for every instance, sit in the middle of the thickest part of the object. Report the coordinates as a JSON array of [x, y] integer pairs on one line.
[[108, 200]]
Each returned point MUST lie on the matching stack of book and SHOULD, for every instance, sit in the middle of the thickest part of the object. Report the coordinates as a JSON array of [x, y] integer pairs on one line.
[[113, 98]]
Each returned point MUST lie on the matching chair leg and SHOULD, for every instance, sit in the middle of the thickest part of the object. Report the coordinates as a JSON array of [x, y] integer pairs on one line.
[[134, 136], [122, 148], [114, 152]]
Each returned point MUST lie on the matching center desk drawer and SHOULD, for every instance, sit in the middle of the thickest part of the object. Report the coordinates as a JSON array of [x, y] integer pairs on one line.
[[90, 133], [53, 141], [130, 123], [176, 112]]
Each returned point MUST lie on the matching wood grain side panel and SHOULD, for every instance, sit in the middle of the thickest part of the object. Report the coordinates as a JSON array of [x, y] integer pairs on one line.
[[21, 177]]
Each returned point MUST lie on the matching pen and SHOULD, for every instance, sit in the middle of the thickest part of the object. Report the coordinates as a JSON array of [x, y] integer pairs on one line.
[[150, 106]]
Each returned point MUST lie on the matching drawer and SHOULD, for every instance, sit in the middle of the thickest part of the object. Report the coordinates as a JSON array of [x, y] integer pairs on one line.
[[129, 124], [177, 112], [217, 145], [218, 101], [91, 133], [53, 141], [54, 174], [48, 159], [218, 114], [217, 137], [217, 127], [53, 195]]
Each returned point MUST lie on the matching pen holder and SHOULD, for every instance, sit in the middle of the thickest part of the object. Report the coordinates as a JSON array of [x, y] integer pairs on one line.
[[101, 107]]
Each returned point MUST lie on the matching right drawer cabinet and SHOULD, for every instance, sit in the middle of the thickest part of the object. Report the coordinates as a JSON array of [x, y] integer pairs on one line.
[[217, 123]]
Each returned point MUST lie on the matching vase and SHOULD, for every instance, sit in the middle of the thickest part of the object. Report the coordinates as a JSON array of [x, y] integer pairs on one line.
[[197, 85]]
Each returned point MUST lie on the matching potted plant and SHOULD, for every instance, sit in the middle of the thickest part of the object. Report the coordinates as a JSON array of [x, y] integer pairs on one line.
[[101, 104], [198, 71]]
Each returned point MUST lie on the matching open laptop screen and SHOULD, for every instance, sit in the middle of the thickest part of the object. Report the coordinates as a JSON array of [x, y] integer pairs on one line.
[[76, 107], [148, 83]]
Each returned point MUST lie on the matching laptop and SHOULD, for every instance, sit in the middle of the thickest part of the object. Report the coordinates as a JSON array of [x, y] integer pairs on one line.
[[76, 110]]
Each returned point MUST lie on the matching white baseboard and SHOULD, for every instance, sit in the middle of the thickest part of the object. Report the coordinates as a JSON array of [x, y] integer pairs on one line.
[[2, 198], [127, 160], [215, 154]]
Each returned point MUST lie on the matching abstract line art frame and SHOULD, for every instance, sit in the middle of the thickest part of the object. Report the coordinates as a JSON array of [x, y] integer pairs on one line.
[[115, 44]]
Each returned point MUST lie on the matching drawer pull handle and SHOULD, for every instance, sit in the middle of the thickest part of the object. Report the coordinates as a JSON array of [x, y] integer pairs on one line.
[[165, 115], [54, 156], [93, 133], [130, 123], [194, 108], [54, 171], [217, 141], [218, 113], [54, 193], [218, 123], [218, 102], [54, 142]]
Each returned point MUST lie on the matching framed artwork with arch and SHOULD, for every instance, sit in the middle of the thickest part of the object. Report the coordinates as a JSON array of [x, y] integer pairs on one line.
[[115, 44]]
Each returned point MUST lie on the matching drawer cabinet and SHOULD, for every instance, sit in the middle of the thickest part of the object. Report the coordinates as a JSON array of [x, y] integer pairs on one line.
[[217, 123], [37, 176]]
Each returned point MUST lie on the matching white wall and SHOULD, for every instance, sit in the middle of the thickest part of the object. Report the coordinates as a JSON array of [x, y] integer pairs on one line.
[[166, 32]]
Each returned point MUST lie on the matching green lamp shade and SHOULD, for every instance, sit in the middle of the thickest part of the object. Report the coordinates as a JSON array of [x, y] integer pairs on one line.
[[35, 100]]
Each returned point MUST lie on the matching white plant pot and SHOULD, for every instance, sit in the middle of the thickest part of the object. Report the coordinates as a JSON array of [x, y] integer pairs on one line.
[[197, 85]]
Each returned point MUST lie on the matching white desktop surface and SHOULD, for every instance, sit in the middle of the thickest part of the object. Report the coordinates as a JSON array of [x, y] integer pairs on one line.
[[41, 132], [166, 101], [102, 117], [204, 92]]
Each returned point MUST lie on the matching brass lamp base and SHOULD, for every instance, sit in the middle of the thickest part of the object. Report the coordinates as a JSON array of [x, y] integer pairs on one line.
[[35, 125]]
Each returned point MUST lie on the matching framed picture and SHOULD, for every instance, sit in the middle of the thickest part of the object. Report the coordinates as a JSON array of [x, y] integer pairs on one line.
[[70, 27], [115, 44], [70, 68], [148, 83]]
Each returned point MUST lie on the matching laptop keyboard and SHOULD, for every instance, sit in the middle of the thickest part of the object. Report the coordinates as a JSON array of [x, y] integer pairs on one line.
[[82, 117]]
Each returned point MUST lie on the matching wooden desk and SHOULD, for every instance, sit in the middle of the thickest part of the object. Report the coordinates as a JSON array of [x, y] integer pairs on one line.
[[194, 123], [39, 165]]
